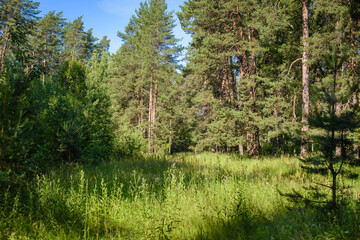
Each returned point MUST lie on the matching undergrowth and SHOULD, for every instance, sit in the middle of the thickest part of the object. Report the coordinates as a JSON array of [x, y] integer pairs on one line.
[[186, 196]]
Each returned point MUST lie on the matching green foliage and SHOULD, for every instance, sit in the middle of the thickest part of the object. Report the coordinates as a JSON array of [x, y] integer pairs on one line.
[[99, 129], [15, 138], [130, 142], [65, 116], [49, 124], [72, 76]]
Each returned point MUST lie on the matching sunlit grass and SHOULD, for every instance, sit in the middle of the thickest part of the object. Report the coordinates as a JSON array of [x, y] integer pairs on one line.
[[186, 196]]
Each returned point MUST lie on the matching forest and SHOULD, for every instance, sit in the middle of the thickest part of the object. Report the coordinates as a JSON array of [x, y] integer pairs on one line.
[[250, 132]]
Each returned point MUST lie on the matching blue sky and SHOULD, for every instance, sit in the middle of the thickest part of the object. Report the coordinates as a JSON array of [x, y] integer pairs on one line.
[[106, 17]]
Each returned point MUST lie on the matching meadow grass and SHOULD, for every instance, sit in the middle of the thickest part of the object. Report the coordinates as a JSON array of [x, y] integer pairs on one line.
[[185, 196]]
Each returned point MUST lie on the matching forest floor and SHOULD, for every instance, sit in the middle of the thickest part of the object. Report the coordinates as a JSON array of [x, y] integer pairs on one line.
[[185, 196]]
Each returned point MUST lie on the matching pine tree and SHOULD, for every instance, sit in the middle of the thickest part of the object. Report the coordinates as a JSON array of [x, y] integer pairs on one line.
[[73, 38], [78, 43], [150, 50], [98, 125], [334, 125], [17, 18], [47, 44], [244, 65]]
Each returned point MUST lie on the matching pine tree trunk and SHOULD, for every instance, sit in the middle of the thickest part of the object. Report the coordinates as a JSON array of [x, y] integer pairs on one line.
[[305, 81], [241, 149], [333, 147], [44, 62], [170, 139], [150, 117], [356, 151], [141, 110], [337, 113], [249, 140], [154, 115], [138, 106], [333, 191], [3, 49]]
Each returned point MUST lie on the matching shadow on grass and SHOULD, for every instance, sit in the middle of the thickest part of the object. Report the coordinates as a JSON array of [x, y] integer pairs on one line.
[[294, 223]]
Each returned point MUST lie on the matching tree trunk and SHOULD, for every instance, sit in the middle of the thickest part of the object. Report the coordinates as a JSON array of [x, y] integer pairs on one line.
[[333, 190], [141, 110], [170, 139], [44, 62], [305, 81], [138, 106], [3, 49], [252, 143], [241, 149], [337, 113], [150, 118], [154, 115]]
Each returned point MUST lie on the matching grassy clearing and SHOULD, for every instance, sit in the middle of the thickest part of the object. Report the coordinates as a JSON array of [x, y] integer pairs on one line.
[[206, 196]]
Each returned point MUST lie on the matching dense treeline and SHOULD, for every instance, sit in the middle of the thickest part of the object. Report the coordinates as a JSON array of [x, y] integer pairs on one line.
[[54, 104], [256, 81], [254, 76], [247, 75]]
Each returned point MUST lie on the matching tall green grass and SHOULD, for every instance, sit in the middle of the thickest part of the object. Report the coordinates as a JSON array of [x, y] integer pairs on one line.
[[186, 196]]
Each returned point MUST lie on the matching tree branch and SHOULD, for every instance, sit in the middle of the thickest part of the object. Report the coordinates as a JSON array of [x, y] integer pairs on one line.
[[323, 185], [292, 65]]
